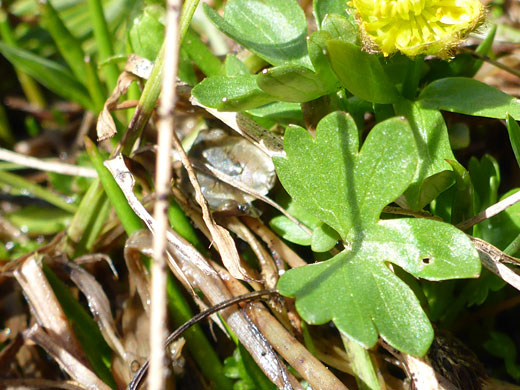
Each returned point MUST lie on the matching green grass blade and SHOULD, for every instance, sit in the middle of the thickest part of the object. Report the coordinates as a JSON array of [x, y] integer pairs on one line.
[[188, 9], [104, 41], [131, 222], [95, 87], [22, 184], [98, 352], [6, 135], [48, 73], [29, 86], [88, 221], [68, 46], [201, 55]]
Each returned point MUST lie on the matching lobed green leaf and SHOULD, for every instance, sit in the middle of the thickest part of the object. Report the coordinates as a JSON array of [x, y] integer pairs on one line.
[[347, 188]]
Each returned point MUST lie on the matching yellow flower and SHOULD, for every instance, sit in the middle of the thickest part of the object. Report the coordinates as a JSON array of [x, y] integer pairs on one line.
[[416, 27]]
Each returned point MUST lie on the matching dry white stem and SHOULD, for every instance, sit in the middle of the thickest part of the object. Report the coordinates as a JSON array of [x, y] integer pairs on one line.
[[159, 369], [40, 384], [490, 211], [48, 166]]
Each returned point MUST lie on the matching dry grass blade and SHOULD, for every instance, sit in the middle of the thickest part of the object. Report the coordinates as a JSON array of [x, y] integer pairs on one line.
[[494, 260], [106, 127], [192, 263], [68, 362], [221, 237], [215, 291], [267, 265], [490, 211], [98, 304], [46, 307], [298, 357], [40, 384], [266, 141], [275, 244]]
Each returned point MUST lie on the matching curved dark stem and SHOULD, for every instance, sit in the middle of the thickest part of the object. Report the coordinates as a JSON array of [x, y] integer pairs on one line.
[[137, 380]]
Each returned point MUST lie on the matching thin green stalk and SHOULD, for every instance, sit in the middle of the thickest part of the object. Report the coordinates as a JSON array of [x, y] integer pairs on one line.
[[188, 9], [413, 76], [143, 112], [22, 184], [362, 365], [103, 41], [30, 88], [68, 46]]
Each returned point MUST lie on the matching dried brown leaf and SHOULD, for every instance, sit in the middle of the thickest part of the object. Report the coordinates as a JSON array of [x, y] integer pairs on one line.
[[191, 262], [68, 362], [98, 304], [265, 140], [39, 384], [495, 260], [135, 68], [46, 307], [221, 237]]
